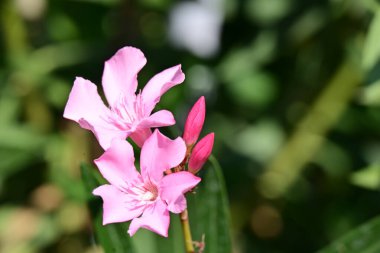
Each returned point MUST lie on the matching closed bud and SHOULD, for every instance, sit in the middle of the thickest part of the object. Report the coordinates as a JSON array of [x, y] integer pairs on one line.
[[201, 152], [194, 122]]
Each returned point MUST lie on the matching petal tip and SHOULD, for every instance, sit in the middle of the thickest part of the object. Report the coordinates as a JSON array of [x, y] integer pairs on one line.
[[96, 192], [131, 233], [178, 76]]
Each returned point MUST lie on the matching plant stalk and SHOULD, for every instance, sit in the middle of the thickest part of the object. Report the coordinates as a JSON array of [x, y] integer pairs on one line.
[[187, 232]]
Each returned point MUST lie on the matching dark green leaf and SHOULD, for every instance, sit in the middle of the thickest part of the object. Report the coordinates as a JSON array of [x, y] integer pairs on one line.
[[364, 239], [149, 242], [208, 211]]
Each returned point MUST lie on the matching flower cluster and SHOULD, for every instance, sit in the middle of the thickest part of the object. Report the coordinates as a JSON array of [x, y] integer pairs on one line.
[[167, 167]]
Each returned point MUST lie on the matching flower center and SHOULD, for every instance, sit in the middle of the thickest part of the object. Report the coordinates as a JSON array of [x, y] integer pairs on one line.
[[144, 192], [126, 113], [148, 196], [150, 192]]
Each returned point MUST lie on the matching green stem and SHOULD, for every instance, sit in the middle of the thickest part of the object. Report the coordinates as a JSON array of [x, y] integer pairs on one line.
[[186, 232]]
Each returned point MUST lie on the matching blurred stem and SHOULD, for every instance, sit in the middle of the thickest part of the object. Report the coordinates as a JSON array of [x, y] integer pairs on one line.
[[14, 31], [187, 232], [310, 133]]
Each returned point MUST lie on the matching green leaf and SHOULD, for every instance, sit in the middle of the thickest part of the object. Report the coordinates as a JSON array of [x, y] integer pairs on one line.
[[371, 53], [149, 242], [364, 239], [22, 138], [368, 177], [174, 242], [19, 146], [370, 95], [208, 211], [113, 237]]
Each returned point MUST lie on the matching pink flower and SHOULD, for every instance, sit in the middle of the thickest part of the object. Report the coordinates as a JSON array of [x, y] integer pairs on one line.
[[194, 122], [128, 114], [201, 153], [144, 198]]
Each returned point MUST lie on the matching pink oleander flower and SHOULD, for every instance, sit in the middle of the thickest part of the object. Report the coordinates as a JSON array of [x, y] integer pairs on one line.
[[194, 122], [144, 198], [128, 114], [200, 153]]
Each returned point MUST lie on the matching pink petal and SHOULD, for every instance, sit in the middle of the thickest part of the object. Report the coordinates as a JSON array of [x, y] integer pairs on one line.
[[160, 153], [115, 205], [85, 102], [104, 132], [117, 164], [155, 218], [159, 84], [201, 153], [120, 74], [158, 119], [140, 135], [87, 108], [174, 186], [194, 122]]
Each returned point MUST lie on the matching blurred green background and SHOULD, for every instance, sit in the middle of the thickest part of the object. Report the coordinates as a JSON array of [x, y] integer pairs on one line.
[[292, 90]]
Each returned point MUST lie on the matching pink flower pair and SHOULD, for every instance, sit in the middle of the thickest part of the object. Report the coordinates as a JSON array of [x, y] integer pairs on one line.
[[146, 197]]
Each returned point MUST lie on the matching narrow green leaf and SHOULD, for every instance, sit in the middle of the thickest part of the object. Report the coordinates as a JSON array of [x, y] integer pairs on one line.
[[208, 211], [113, 237], [146, 241], [174, 242], [371, 52], [364, 239]]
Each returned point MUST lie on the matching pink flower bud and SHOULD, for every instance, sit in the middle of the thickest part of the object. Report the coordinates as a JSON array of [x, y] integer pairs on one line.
[[200, 153], [194, 122]]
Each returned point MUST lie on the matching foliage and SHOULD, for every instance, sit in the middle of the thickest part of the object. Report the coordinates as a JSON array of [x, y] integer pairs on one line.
[[361, 239]]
